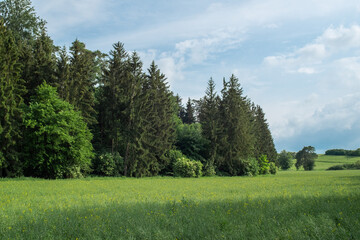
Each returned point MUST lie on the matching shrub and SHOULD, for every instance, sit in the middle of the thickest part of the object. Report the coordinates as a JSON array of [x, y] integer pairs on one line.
[[346, 166], [108, 164], [184, 167], [172, 156], [273, 168], [250, 167], [336, 167], [264, 165], [357, 165], [209, 170]]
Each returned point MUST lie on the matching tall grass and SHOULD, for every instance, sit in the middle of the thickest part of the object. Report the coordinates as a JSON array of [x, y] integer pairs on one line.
[[290, 205]]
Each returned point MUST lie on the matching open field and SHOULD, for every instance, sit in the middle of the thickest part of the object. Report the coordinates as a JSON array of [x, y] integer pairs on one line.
[[290, 205], [325, 161]]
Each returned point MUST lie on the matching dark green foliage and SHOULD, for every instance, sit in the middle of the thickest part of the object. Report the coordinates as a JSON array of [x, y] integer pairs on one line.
[[236, 141], [264, 166], [209, 120], [264, 143], [190, 141], [159, 124], [62, 74], [20, 17], [108, 164], [343, 152], [189, 115], [82, 75], [57, 141], [11, 92], [285, 160], [336, 152], [348, 166], [306, 158], [42, 65], [112, 99], [135, 153], [180, 110], [184, 167]]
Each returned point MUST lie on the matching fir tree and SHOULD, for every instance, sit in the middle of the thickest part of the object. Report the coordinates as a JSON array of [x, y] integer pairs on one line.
[[189, 117], [42, 65], [113, 98], [159, 133], [11, 91], [62, 74], [82, 67], [209, 120], [133, 120], [264, 143], [236, 140]]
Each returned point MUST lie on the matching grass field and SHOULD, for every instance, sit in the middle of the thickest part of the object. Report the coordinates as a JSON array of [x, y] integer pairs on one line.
[[290, 205], [324, 161]]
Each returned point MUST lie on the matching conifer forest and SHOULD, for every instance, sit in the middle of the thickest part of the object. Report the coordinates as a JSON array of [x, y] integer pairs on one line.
[[67, 112]]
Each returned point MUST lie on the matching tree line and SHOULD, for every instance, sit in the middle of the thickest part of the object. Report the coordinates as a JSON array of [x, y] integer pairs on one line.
[[71, 112]]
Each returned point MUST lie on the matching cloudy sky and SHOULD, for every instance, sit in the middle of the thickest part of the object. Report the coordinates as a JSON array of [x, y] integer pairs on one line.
[[299, 60]]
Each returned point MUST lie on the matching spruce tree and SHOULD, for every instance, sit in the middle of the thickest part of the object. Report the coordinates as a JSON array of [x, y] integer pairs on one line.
[[189, 117], [159, 134], [236, 139], [264, 143], [62, 74], [11, 92], [113, 98], [134, 164], [209, 120], [82, 67], [179, 107], [42, 65]]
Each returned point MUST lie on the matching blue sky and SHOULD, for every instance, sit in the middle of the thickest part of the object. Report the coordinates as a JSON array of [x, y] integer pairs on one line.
[[299, 60]]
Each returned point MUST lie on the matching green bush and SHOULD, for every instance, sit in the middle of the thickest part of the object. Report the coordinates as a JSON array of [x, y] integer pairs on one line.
[[57, 142], [264, 166], [357, 165], [336, 167], [273, 168], [346, 166], [209, 170], [108, 164], [184, 167], [250, 167]]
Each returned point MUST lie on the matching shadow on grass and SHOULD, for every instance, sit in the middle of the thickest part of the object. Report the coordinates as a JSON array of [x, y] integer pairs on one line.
[[335, 217]]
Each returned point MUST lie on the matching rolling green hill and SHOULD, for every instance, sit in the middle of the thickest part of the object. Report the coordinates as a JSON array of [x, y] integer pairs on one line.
[[323, 162]]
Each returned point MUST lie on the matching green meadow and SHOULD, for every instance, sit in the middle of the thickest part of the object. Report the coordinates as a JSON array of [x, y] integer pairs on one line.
[[290, 205]]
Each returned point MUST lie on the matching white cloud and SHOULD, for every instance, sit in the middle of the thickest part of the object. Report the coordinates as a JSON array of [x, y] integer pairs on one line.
[[307, 70], [198, 50], [341, 38], [314, 55]]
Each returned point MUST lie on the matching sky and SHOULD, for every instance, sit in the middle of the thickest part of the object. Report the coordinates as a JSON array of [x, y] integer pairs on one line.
[[298, 60]]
